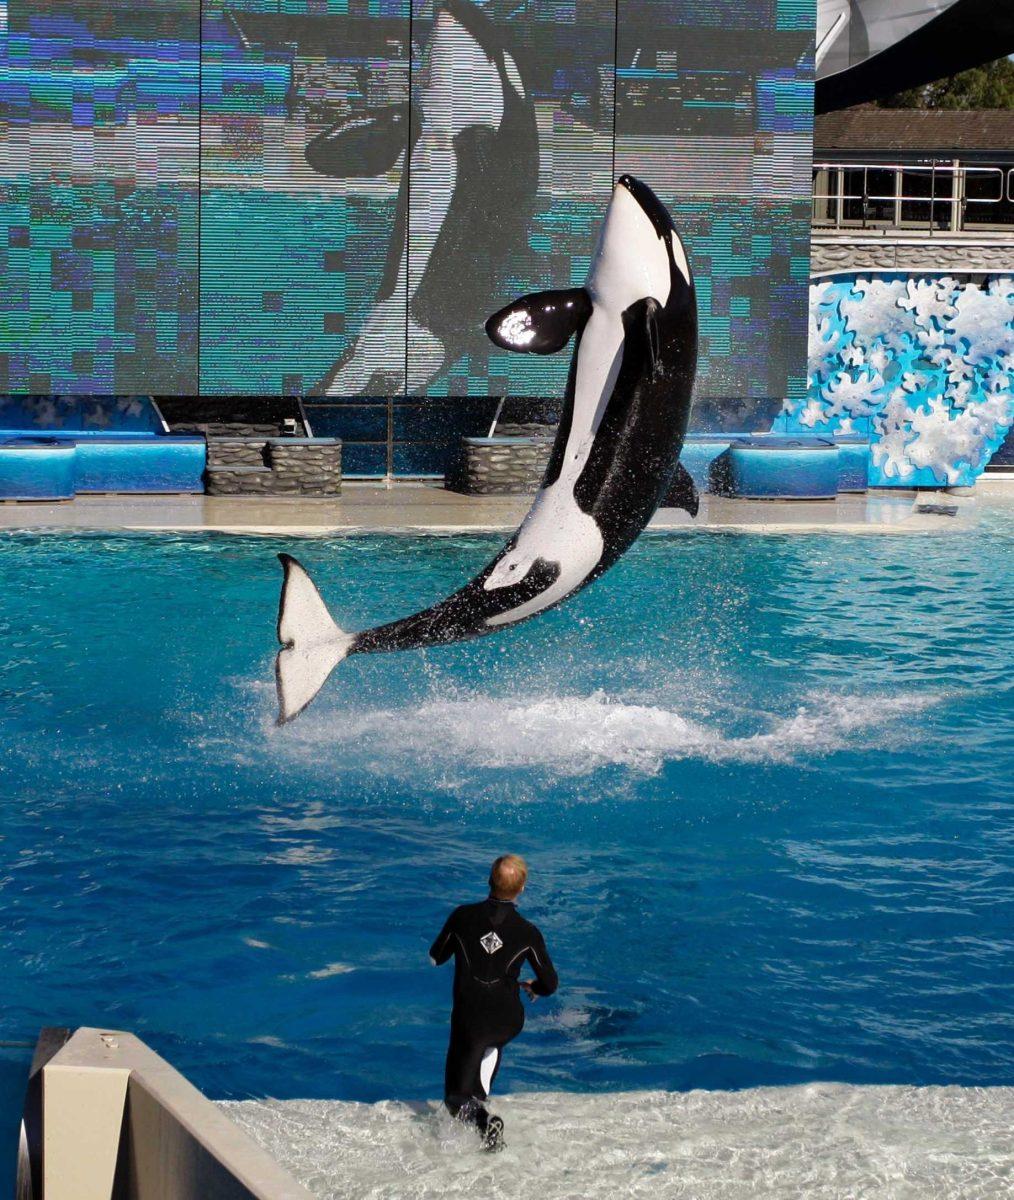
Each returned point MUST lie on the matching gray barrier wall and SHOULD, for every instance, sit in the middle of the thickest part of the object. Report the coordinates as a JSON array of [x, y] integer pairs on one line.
[[119, 1123]]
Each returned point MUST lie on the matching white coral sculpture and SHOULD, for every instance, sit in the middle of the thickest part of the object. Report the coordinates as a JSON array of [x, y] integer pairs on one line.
[[954, 364], [890, 449], [824, 341], [930, 340], [982, 321], [997, 379], [915, 381], [848, 396], [928, 298], [871, 312], [826, 292], [960, 393], [953, 348], [45, 412], [97, 416], [813, 413], [854, 356], [942, 439], [1002, 285]]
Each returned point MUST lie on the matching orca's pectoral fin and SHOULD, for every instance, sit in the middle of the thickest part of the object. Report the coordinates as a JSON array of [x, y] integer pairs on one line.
[[541, 323], [682, 492], [363, 146]]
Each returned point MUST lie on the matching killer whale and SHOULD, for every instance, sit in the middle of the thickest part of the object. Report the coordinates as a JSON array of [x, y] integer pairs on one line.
[[467, 192], [625, 414]]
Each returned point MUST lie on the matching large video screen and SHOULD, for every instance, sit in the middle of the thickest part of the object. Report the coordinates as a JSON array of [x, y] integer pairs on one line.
[[326, 198]]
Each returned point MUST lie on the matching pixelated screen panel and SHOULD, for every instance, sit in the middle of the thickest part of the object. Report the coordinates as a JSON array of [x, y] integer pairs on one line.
[[99, 117], [714, 107], [327, 197], [532, 121], [304, 133]]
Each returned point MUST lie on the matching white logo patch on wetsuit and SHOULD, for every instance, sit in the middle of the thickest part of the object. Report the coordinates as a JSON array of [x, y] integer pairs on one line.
[[490, 942]]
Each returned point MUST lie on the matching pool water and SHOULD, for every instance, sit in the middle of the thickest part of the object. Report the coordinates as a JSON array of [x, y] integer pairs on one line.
[[762, 782]]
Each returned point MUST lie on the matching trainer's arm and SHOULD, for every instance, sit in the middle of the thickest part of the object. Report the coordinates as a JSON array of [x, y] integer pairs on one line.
[[546, 981], [443, 947]]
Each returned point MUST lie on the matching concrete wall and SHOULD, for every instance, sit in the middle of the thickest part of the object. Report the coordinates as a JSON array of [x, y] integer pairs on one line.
[[119, 1123], [869, 250]]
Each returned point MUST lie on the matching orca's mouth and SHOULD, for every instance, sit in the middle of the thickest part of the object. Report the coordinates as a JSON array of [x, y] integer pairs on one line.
[[649, 203]]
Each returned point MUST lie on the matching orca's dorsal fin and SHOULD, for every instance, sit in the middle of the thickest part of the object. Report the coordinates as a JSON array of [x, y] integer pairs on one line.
[[683, 492], [541, 323]]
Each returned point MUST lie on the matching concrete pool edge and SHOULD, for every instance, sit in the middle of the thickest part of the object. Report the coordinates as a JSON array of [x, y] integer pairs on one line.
[[114, 1118], [417, 509], [816, 1139]]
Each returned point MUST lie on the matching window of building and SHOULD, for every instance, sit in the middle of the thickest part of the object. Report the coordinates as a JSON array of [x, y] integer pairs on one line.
[[988, 198], [928, 196]]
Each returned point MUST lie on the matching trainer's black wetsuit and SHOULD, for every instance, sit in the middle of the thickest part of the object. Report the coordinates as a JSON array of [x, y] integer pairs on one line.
[[490, 941]]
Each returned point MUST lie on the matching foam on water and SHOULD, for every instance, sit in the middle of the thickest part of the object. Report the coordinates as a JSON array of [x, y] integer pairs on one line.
[[820, 1141], [575, 734]]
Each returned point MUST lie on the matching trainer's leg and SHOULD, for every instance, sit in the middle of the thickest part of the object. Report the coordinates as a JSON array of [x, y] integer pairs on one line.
[[461, 1078], [488, 1067], [492, 1127], [492, 1057]]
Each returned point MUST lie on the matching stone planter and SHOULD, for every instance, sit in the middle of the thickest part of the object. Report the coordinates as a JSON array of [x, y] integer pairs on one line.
[[274, 466], [305, 467], [237, 452], [500, 466], [238, 480]]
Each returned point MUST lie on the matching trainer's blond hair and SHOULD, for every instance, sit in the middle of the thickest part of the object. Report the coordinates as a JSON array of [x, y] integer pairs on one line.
[[507, 876]]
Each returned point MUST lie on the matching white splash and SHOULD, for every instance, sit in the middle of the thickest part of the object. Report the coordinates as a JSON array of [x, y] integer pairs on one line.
[[576, 735], [822, 1141]]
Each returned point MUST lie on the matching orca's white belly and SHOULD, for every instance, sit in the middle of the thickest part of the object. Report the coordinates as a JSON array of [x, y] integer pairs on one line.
[[557, 531]]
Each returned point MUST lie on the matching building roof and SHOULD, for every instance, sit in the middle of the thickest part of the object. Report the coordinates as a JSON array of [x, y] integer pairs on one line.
[[867, 128]]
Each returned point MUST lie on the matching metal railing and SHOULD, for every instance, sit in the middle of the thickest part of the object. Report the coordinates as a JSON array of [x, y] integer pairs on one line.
[[938, 196]]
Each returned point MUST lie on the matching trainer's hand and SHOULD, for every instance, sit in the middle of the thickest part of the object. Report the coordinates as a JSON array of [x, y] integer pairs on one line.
[[529, 988]]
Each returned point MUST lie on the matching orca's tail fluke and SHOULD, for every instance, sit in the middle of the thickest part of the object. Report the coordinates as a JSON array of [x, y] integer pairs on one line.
[[312, 644]]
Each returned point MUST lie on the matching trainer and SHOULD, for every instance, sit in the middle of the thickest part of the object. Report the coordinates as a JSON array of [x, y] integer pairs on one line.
[[490, 941]]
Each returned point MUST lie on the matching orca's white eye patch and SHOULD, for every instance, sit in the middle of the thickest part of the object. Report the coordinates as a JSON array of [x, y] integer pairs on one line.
[[513, 74], [679, 256]]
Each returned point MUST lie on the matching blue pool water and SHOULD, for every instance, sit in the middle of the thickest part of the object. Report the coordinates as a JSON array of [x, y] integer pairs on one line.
[[762, 783]]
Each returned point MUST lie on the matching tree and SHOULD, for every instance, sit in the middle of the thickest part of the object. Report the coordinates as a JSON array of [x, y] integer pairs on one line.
[[989, 86]]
